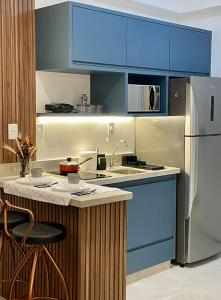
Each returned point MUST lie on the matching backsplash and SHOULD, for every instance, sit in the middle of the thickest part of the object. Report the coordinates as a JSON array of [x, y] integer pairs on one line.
[[160, 140], [62, 137]]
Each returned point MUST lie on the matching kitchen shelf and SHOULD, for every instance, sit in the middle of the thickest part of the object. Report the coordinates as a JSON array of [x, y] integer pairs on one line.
[[79, 115]]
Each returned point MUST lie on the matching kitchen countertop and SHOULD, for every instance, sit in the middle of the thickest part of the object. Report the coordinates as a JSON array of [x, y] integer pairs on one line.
[[113, 196], [143, 174], [89, 200]]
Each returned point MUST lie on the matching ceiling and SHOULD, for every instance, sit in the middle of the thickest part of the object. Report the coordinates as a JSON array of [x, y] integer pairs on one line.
[[182, 6], [172, 10]]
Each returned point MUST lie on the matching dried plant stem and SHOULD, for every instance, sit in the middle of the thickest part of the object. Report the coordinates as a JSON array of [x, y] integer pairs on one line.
[[19, 148]]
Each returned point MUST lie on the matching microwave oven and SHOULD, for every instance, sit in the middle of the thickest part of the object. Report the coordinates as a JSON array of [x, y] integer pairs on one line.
[[143, 98]]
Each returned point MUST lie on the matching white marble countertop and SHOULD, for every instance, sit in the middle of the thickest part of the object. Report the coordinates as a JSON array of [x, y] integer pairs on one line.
[[143, 174], [113, 196]]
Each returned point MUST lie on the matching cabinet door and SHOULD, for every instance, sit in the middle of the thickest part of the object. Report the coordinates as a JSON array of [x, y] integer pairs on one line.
[[190, 50], [98, 37], [151, 213], [147, 45]]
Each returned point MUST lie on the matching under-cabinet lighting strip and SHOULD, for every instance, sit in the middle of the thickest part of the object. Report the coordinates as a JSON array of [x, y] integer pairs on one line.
[[82, 119]]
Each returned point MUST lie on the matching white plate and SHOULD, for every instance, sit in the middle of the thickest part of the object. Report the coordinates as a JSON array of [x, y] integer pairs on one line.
[[29, 180], [64, 186]]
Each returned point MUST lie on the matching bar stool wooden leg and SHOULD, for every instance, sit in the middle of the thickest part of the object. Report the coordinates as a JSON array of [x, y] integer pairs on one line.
[[33, 272], [58, 271], [17, 271], [45, 265], [2, 239], [12, 252]]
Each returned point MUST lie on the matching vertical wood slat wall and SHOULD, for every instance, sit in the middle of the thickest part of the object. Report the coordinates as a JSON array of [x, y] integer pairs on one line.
[[93, 255], [17, 70]]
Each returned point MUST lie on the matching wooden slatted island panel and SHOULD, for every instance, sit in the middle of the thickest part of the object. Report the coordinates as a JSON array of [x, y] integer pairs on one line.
[[92, 257]]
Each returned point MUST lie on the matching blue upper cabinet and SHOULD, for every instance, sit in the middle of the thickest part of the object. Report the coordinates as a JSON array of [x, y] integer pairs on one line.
[[76, 37], [190, 50], [148, 44], [98, 37]]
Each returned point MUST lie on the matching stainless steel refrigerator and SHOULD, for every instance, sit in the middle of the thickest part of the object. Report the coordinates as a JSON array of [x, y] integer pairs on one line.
[[194, 146]]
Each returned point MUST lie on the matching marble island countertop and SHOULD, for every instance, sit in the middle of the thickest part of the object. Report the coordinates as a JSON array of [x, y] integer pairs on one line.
[[112, 178], [112, 196]]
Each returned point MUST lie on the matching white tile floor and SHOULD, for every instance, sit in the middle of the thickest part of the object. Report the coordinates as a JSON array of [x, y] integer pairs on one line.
[[201, 282]]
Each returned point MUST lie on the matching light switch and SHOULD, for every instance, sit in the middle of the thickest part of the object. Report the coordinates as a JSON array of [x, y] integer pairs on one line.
[[12, 131]]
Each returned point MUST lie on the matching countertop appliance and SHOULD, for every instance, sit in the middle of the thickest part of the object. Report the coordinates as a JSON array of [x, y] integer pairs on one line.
[[191, 139], [91, 165], [133, 162], [143, 98], [84, 175]]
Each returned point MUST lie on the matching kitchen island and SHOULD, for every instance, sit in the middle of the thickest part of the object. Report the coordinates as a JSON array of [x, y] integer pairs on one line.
[[93, 255]]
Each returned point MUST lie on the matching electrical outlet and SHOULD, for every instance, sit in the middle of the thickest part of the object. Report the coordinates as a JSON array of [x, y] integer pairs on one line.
[[111, 127], [12, 131]]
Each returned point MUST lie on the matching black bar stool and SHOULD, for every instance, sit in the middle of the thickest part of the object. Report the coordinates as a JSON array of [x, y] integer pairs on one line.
[[13, 219], [35, 235]]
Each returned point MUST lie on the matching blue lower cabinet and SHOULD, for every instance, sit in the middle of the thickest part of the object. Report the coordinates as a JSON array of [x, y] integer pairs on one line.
[[151, 222], [149, 256]]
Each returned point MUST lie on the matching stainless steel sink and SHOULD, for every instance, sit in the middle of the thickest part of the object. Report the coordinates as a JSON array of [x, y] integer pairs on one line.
[[125, 171]]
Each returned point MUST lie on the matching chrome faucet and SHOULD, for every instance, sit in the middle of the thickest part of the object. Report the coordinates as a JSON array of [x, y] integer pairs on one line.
[[115, 150]]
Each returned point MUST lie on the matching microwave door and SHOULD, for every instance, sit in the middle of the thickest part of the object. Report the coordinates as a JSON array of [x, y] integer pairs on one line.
[[135, 98]]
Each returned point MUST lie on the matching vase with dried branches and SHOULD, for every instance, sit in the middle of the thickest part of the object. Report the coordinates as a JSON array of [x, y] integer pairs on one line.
[[24, 150]]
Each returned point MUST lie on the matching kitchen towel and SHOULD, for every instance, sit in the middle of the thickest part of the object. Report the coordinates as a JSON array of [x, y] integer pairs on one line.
[[47, 195]]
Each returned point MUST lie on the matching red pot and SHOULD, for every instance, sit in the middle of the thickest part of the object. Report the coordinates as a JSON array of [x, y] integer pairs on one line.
[[71, 166]]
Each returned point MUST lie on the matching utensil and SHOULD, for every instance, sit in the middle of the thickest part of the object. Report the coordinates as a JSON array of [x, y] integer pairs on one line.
[[71, 166], [83, 193], [45, 185]]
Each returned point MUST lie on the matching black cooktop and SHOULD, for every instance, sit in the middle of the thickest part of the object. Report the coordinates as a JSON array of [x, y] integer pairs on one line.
[[84, 175]]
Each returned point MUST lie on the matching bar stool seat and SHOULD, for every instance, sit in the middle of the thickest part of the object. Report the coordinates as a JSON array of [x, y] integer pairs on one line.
[[13, 219], [42, 233]]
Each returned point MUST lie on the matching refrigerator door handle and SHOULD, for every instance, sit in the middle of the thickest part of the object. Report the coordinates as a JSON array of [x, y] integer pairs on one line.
[[192, 173], [212, 109]]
